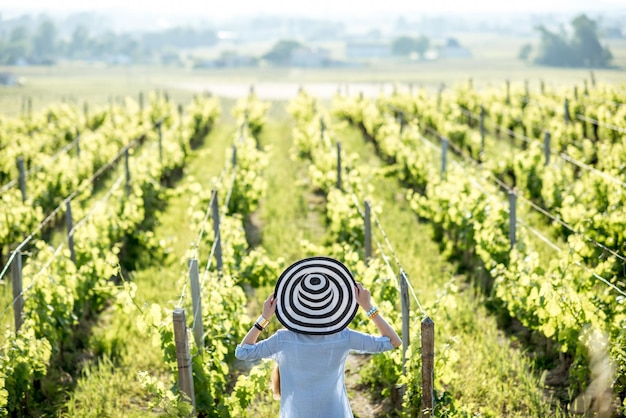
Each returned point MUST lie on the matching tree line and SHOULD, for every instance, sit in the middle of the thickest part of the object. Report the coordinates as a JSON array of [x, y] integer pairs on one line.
[[45, 46]]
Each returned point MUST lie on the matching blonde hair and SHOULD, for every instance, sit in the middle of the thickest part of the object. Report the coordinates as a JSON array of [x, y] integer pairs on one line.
[[276, 382]]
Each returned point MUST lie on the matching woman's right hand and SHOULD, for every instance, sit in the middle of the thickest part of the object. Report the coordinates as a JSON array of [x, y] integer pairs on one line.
[[269, 307], [363, 297]]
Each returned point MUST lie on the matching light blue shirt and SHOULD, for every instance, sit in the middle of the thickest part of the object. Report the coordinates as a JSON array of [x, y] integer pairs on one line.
[[312, 369]]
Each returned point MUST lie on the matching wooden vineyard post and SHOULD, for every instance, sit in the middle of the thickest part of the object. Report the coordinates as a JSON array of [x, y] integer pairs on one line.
[[406, 317], [18, 298], [160, 131], [322, 128], [444, 156], [127, 168], [439, 93], [368, 231], [183, 356], [22, 177], [77, 143], [339, 184], [512, 217], [216, 230], [69, 223], [196, 298], [428, 367], [482, 129], [546, 147], [508, 91], [592, 77], [566, 111]]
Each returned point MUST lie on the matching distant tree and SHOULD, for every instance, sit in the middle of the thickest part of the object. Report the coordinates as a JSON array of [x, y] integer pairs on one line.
[[422, 43], [554, 50], [18, 46], [586, 45], [406, 45], [583, 50], [524, 52], [403, 46], [79, 43], [281, 51], [104, 45], [45, 40]]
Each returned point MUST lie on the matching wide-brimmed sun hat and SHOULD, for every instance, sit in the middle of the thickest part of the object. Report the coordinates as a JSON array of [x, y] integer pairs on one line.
[[316, 296]]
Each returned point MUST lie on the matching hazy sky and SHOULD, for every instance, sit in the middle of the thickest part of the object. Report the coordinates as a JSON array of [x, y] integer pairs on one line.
[[313, 8]]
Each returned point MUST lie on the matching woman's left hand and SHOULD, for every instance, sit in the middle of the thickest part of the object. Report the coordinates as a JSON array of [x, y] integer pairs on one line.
[[269, 307]]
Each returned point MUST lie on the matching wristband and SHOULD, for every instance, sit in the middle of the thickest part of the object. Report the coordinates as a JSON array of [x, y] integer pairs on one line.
[[257, 326], [262, 322], [371, 311]]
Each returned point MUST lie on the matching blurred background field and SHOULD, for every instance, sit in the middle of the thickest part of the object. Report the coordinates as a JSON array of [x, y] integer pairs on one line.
[[56, 54]]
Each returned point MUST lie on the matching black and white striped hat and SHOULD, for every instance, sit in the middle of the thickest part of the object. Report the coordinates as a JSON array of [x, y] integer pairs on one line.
[[316, 296]]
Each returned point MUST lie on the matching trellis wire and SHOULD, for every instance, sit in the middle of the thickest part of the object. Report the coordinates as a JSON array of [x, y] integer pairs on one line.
[[36, 277], [561, 155], [503, 185], [384, 234], [69, 198], [60, 246], [401, 269], [600, 123], [592, 169], [214, 245], [207, 214], [33, 170], [539, 208]]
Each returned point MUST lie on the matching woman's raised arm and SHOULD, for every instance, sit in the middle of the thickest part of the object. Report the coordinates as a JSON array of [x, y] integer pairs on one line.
[[363, 298]]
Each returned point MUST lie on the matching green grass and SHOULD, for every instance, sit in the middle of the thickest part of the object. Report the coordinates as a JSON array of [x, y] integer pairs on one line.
[[286, 213]]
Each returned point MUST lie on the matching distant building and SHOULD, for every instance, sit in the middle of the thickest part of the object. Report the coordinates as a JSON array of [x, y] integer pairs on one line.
[[365, 50], [454, 52]]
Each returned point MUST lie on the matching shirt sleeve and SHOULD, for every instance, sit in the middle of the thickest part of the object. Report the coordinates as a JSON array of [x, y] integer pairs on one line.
[[366, 343], [263, 349]]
